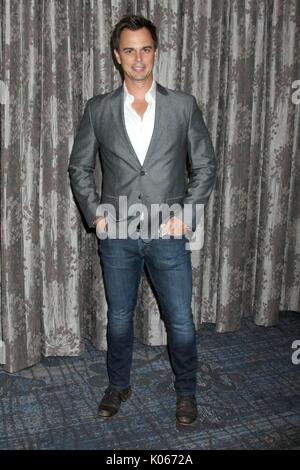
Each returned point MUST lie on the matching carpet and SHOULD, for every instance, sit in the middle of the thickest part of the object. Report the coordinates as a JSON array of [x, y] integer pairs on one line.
[[248, 397]]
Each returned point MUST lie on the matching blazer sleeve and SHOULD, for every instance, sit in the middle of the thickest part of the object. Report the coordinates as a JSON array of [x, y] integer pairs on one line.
[[82, 167], [202, 162]]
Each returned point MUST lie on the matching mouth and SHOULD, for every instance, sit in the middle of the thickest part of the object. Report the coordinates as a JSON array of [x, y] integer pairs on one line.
[[138, 68]]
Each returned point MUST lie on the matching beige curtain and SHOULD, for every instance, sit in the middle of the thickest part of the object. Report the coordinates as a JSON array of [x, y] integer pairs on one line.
[[239, 58]]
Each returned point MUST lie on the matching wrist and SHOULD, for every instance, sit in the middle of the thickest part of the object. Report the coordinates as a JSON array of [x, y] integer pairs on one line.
[[97, 219]]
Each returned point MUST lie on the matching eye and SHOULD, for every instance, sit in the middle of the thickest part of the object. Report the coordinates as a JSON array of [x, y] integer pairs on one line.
[[147, 50], [128, 51]]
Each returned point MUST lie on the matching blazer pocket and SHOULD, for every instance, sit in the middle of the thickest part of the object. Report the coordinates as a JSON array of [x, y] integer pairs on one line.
[[175, 199], [111, 201], [108, 198]]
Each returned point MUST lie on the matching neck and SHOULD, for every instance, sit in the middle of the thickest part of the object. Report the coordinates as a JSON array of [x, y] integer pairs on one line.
[[138, 89]]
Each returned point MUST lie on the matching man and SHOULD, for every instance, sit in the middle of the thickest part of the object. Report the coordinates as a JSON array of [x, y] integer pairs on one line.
[[144, 133]]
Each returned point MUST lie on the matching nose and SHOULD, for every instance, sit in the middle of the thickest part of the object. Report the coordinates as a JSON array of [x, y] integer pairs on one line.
[[138, 56]]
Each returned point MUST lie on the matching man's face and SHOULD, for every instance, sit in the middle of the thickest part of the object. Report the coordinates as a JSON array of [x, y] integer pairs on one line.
[[136, 54]]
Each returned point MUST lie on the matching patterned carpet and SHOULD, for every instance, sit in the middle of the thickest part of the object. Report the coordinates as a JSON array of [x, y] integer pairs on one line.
[[248, 396]]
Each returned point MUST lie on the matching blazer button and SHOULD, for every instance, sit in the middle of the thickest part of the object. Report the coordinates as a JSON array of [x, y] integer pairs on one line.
[[140, 196], [143, 172]]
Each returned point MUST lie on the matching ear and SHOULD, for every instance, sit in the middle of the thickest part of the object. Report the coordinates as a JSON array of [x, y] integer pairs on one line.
[[117, 56]]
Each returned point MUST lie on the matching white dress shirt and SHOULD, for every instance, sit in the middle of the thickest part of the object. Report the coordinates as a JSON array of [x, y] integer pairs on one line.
[[139, 129]]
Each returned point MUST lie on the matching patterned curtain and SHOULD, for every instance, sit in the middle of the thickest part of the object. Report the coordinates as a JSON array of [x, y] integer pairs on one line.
[[239, 58]]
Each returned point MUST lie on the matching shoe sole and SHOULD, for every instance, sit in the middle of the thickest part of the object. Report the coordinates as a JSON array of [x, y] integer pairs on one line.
[[107, 417], [186, 424], [180, 423]]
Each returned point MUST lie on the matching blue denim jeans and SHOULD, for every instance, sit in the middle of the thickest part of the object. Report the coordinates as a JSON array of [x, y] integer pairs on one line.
[[169, 265]]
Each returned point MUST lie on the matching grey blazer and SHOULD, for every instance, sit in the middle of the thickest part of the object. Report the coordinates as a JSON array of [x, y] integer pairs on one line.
[[180, 141]]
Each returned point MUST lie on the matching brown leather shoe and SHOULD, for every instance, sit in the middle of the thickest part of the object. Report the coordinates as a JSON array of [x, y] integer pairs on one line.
[[111, 402], [186, 409]]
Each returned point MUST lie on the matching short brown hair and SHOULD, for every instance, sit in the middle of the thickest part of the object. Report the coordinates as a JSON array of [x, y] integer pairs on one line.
[[132, 22]]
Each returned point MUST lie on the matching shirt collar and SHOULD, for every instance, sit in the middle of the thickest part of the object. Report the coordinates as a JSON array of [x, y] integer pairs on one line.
[[149, 96]]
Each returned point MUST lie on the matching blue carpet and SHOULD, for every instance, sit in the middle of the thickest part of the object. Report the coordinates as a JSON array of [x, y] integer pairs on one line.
[[248, 397]]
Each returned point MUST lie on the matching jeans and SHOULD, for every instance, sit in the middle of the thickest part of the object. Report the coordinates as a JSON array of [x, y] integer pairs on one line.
[[169, 266]]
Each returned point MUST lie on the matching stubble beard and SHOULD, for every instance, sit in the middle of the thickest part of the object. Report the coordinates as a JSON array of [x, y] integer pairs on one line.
[[138, 79]]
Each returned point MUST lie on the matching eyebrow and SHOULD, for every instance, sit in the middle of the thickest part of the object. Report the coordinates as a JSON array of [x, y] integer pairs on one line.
[[144, 47]]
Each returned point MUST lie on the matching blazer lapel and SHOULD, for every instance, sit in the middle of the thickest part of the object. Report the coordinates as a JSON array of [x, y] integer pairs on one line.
[[117, 106]]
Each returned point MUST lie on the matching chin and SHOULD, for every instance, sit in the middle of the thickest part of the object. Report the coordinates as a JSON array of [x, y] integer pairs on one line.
[[140, 79], [137, 78]]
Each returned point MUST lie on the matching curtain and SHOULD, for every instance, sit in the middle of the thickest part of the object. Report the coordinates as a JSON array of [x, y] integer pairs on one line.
[[239, 59]]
